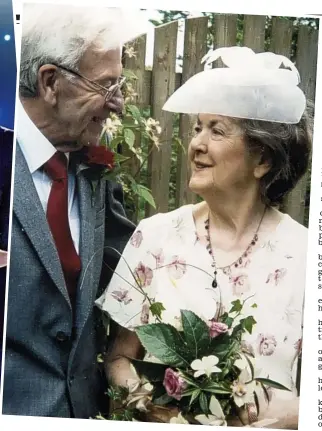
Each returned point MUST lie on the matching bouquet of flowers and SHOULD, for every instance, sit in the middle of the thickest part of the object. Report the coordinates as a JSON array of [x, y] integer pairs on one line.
[[202, 370]]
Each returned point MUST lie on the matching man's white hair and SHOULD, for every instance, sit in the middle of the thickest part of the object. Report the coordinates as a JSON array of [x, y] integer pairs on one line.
[[60, 34]]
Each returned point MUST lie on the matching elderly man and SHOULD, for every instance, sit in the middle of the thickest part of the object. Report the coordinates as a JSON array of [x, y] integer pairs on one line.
[[69, 84]]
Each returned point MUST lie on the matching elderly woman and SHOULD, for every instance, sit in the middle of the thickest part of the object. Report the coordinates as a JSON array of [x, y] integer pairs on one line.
[[247, 152]]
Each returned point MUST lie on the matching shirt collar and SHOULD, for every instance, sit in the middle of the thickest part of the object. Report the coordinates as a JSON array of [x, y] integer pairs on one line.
[[35, 147]]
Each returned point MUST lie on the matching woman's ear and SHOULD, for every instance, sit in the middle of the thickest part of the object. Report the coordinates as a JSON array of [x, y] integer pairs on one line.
[[262, 165], [48, 83], [261, 169]]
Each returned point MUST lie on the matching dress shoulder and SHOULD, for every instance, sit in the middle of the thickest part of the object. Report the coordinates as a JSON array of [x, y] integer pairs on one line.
[[166, 219], [294, 236]]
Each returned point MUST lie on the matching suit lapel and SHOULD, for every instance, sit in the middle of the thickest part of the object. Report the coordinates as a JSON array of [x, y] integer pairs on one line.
[[86, 291], [29, 211]]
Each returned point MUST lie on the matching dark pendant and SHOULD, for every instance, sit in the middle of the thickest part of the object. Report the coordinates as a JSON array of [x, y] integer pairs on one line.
[[214, 284]]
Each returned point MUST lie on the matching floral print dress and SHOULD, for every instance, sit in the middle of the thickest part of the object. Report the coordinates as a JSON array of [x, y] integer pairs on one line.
[[174, 268]]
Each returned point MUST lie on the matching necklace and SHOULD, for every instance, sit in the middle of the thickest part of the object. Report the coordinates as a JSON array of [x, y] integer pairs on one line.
[[237, 262]]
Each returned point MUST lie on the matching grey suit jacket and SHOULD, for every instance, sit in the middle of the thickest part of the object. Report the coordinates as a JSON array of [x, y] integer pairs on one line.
[[50, 364]]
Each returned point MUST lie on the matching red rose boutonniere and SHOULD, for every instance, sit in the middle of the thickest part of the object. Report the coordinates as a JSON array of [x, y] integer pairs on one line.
[[94, 161], [98, 155]]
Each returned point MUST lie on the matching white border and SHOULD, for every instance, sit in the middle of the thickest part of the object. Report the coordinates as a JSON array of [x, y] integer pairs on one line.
[[309, 393]]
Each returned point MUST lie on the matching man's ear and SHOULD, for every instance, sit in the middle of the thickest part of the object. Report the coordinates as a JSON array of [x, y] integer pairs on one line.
[[48, 83]]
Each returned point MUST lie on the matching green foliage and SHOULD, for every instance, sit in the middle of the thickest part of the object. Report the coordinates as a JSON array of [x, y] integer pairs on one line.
[[131, 140], [156, 309], [196, 334], [165, 343]]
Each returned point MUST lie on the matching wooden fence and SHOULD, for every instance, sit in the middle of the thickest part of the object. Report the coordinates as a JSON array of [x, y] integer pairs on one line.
[[155, 86]]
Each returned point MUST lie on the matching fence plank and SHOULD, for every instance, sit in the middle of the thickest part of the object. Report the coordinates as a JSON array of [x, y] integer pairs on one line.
[[306, 62], [281, 38], [224, 30], [306, 59], [163, 84], [224, 33], [254, 32], [195, 47], [137, 65], [148, 86]]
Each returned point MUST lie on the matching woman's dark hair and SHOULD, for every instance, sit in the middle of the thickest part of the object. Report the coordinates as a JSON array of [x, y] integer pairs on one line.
[[286, 147]]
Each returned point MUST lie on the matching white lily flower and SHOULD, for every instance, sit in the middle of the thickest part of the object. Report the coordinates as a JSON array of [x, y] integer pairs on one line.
[[140, 393], [216, 418], [243, 364], [243, 392], [206, 365], [178, 420], [133, 385]]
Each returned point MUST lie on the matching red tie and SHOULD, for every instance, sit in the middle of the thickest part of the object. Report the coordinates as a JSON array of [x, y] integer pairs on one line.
[[57, 216]]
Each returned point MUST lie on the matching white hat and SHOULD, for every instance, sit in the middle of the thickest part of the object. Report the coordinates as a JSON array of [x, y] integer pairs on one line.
[[252, 86]]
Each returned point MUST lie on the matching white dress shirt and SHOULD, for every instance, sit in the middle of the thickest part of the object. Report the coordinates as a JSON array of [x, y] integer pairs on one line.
[[37, 150]]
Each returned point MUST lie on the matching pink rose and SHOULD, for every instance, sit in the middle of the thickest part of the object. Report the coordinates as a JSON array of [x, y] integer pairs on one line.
[[136, 239], [174, 384], [144, 274], [217, 328], [266, 344]]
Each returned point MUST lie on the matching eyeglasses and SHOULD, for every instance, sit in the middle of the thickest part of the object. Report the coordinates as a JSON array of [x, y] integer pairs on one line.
[[108, 92]]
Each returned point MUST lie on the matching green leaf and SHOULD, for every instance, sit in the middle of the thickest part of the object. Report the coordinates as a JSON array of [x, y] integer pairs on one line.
[[129, 74], [188, 392], [129, 137], [115, 142], [218, 391], [256, 402], [152, 371], [134, 110], [194, 396], [129, 123], [164, 342], [203, 402], [265, 393], [145, 194], [250, 366], [178, 142], [217, 388], [118, 158], [237, 306], [249, 322], [272, 384], [189, 380], [254, 306], [229, 321], [221, 348], [156, 309], [162, 400], [196, 334]]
